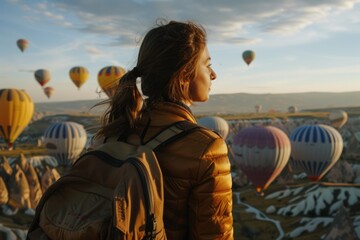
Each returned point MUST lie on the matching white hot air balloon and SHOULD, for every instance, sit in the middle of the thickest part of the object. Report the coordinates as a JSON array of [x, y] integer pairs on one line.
[[216, 124], [65, 141], [338, 118], [317, 148]]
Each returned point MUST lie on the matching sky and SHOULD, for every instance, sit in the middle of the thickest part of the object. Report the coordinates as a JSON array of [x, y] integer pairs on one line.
[[300, 45]]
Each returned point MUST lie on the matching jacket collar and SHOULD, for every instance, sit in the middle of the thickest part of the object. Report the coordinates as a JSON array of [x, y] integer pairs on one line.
[[166, 113]]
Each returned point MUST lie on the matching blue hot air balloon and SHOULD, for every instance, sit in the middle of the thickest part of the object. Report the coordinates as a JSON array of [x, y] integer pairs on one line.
[[316, 148], [65, 141]]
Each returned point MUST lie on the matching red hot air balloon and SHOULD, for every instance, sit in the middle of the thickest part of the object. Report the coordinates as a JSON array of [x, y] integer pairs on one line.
[[49, 91], [22, 44], [42, 76], [261, 152]]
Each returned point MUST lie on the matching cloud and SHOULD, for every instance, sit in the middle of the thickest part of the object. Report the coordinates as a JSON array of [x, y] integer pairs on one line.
[[232, 21], [227, 20]]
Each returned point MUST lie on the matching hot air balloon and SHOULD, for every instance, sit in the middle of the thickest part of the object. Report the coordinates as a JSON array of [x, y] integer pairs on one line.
[[22, 44], [261, 153], [248, 56], [43, 76], [49, 91], [109, 77], [258, 108], [317, 148], [216, 124], [79, 75], [292, 109], [338, 118], [16, 111], [65, 141]]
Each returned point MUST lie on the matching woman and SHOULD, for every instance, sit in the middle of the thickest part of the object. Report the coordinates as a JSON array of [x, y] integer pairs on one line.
[[175, 70]]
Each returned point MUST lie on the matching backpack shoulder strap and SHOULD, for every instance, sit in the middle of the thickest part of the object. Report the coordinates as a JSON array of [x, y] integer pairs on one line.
[[171, 133]]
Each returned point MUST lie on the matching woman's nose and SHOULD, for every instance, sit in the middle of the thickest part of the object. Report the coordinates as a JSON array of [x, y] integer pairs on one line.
[[212, 75]]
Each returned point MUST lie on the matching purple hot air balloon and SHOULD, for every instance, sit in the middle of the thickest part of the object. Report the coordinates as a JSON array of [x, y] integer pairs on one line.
[[261, 153]]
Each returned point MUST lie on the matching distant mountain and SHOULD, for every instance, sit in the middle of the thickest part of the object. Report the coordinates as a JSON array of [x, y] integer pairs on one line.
[[231, 103]]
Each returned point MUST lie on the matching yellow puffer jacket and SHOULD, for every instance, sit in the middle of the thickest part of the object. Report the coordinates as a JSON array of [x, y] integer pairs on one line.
[[197, 180]]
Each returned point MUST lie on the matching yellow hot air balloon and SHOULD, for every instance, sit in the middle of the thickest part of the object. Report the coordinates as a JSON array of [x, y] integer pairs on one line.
[[109, 77], [16, 111], [79, 75], [22, 44]]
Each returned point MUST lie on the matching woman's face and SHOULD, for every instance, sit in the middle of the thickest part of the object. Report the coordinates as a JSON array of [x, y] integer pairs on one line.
[[200, 85]]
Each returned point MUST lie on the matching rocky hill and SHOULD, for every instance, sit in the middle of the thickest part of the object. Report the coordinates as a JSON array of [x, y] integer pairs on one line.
[[232, 103]]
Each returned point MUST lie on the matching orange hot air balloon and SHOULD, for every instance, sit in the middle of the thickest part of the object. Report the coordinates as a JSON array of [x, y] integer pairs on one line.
[[42, 76], [248, 56], [16, 111], [22, 44], [49, 91], [109, 77], [79, 75]]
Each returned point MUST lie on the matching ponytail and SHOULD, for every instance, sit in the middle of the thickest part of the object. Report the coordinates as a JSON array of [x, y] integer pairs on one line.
[[124, 107]]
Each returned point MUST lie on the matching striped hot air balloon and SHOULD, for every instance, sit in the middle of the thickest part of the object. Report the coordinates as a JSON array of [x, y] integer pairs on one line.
[[109, 77], [79, 75], [16, 111], [216, 124], [65, 141], [317, 148], [261, 152], [42, 76]]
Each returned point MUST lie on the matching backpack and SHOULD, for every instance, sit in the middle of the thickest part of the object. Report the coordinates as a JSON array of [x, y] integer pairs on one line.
[[112, 192]]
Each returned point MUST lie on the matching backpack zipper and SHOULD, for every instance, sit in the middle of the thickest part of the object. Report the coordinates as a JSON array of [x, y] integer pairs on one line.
[[150, 232]]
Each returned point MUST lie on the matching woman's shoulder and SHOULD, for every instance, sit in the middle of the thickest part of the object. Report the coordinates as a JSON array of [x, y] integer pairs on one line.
[[206, 140], [206, 134]]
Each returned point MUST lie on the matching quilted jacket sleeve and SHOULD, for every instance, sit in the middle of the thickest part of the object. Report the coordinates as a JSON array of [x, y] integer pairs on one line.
[[210, 205]]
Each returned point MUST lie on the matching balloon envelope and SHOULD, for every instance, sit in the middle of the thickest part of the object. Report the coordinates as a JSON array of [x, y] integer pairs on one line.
[[16, 111], [42, 76], [338, 118], [79, 75], [22, 44], [65, 141], [292, 109], [317, 148], [216, 124], [261, 153], [258, 108], [49, 91], [109, 77], [248, 56]]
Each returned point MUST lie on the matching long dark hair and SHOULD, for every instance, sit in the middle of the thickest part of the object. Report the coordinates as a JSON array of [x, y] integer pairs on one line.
[[166, 63]]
